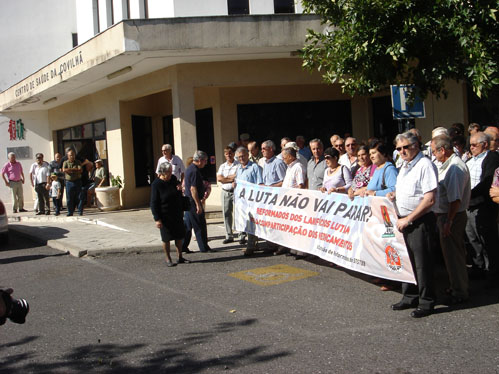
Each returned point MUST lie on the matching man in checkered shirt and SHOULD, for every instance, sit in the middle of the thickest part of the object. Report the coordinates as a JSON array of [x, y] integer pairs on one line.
[[415, 194]]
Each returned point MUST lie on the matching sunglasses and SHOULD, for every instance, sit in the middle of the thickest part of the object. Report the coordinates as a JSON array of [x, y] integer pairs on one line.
[[475, 144], [404, 147]]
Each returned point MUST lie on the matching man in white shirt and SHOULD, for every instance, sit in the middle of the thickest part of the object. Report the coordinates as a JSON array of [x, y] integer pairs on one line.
[[295, 178], [454, 190], [415, 194], [349, 159], [226, 175], [40, 180], [178, 168]]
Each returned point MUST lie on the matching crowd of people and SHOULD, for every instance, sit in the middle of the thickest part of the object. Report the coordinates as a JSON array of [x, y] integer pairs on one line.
[[447, 188], [74, 175]]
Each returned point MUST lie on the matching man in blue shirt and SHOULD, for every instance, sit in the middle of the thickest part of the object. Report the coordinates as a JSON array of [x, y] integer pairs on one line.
[[250, 172], [195, 218], [274, 169]]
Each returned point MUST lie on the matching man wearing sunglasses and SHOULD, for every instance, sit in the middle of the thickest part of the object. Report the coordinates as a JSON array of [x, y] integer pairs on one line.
[[349, 159], [414, 196], [481, 227]]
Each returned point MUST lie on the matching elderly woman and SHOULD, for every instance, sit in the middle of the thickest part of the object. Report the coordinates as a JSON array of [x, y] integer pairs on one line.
[[166, 207], [364, 172], [337, 178]]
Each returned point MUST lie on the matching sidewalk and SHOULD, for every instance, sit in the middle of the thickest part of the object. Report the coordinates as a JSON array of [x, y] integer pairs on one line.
[[99, 233]]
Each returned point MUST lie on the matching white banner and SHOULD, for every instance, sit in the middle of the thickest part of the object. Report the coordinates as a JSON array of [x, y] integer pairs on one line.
[[359, 235]]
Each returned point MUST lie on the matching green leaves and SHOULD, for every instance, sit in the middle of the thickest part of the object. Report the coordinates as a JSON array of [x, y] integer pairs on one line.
[[380, 42]]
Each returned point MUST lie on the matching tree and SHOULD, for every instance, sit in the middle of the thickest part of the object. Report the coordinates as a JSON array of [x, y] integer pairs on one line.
[[369, 44]]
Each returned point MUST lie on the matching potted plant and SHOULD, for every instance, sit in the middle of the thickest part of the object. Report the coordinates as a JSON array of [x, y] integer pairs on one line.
[[108, 198]]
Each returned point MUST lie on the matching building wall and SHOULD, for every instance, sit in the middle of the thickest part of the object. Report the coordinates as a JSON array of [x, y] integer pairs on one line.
[[220, 86]]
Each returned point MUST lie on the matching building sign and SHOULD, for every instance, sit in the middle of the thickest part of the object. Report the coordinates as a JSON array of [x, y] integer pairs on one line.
[[16, 130], [54, 72], [22, 153], [400, 104]]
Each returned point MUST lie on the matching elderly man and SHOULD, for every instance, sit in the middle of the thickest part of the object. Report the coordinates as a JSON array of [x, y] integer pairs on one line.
[[339, 144], [244, 140], [493, 133], [173, 160], [349, 159], [250, 172], [254, 152], [454, 191], [333, 139], [302, 160], [295, 178], [73, 170], [481, 228], [415, 194], [40, 180], [316, 165], [14, 180], [274, 169], [303, 150], [226, 176], [195, 217]]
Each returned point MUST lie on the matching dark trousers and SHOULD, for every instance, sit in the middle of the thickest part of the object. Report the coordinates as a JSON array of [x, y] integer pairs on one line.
[[43, 197], [418, 238], [481, 230], [73, 191], [57, 205], [195, 221]]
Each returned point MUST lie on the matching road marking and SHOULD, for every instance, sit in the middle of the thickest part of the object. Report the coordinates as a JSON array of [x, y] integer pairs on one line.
[[272, 275]]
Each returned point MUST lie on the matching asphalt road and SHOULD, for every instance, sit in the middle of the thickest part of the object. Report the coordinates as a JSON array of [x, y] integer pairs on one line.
[[132, 314]]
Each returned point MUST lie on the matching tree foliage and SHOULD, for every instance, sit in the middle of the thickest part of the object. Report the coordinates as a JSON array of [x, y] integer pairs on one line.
[[366, 45]]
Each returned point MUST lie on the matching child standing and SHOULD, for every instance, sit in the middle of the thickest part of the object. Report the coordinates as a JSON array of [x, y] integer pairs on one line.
[[55, 193]]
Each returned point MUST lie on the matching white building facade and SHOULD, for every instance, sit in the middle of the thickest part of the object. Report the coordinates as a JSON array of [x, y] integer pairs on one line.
[[195, 74]]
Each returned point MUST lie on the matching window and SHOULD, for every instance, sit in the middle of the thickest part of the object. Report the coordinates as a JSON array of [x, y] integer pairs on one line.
[[74, 37], [238, 6], [284, 6], [88, 140]]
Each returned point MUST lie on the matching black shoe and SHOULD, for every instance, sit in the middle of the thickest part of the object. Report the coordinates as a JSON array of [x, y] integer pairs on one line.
[[420, 313], [47, 213], [401, 306], [39, 213], [182, 260], [22, 210], [210, 250], [187, 251], [170, 264], [227, 241], [242, 241]]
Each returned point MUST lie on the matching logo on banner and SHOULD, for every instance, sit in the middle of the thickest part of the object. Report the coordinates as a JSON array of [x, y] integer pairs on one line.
[[388, 224], [393, 261]]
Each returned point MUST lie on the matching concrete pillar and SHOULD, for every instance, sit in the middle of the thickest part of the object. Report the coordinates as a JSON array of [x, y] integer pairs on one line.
[[184, 115]]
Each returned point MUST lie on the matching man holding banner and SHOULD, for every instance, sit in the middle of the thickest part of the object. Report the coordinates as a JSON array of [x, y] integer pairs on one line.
[[415, 194], [250, 172]]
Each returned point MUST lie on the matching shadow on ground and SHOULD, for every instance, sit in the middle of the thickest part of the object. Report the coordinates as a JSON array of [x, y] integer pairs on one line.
[[174, 356]]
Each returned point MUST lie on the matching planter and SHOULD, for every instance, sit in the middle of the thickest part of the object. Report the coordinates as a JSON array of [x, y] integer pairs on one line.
[[108, 198]]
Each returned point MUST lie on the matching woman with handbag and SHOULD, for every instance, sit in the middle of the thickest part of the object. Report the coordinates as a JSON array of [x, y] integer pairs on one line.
[[337, 178], [167, 208]]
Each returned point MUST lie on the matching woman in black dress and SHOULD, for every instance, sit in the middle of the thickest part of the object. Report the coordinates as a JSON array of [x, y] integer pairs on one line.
[[166, 207]]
